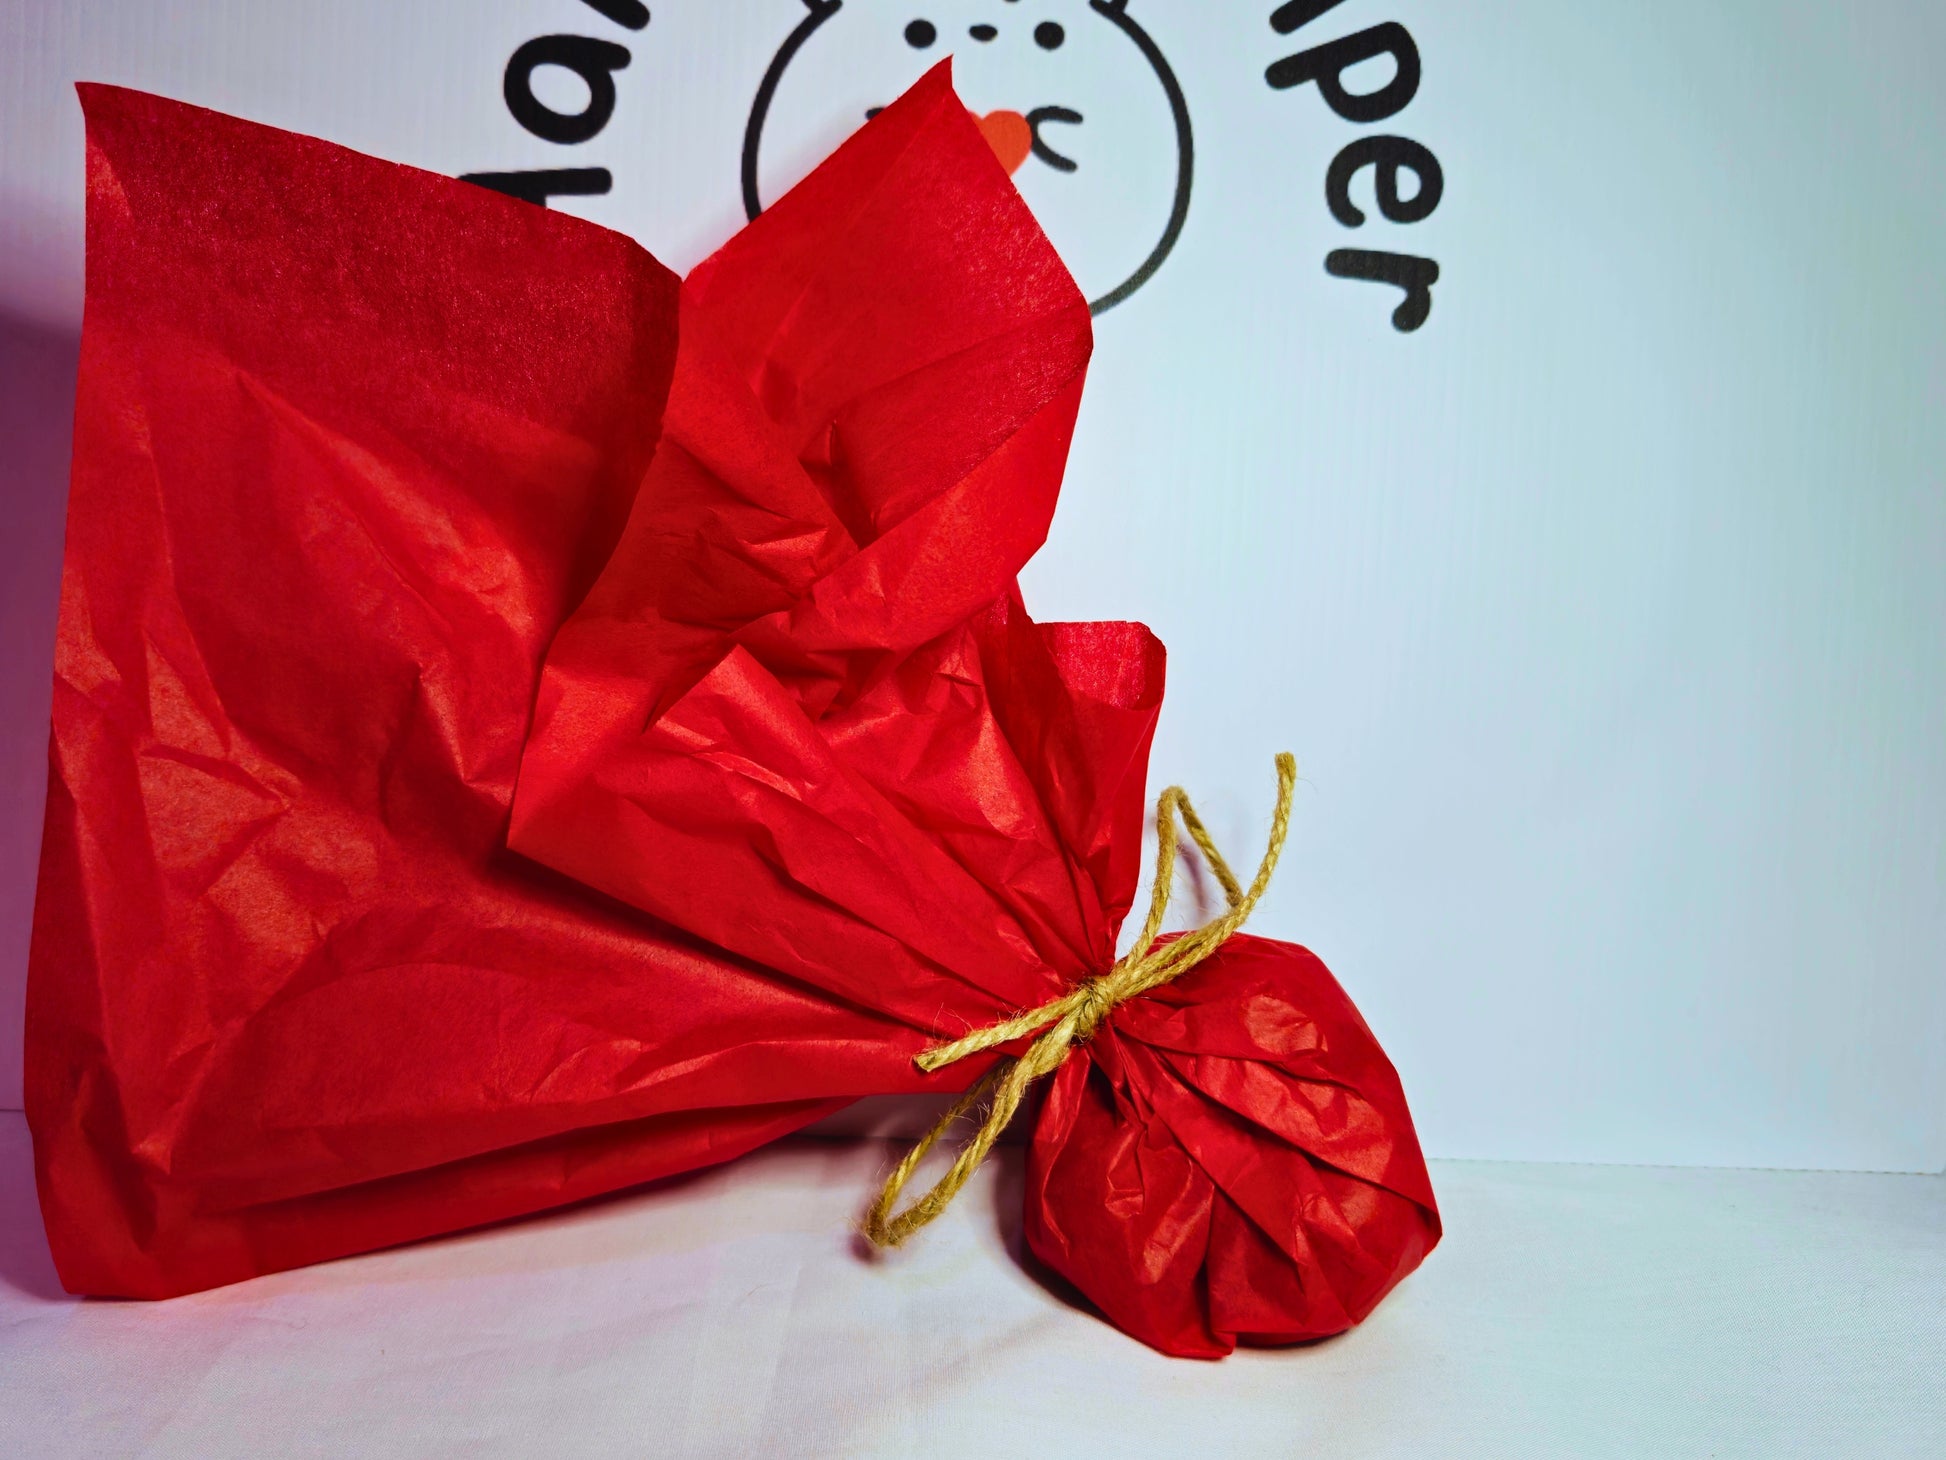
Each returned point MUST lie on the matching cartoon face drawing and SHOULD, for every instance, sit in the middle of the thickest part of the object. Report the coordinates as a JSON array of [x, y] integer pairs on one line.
[[1076, 98]]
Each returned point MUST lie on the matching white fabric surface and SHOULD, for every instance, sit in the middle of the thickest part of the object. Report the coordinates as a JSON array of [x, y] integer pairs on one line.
[[1572, 1311]]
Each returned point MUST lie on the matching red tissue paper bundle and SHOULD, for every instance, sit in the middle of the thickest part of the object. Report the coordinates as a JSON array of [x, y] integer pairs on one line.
[[391, 494]]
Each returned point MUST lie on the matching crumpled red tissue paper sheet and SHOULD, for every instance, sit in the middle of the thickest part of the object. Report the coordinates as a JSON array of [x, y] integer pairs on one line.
[[523, 728], [773, 723], [351, 440]]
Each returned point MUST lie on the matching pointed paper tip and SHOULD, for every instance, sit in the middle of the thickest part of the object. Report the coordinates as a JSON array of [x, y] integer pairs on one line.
[[104, 105], [99, 97], [933, 87]]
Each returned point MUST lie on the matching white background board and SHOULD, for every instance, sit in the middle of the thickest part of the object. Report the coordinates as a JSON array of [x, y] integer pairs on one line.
[[1603, 612]]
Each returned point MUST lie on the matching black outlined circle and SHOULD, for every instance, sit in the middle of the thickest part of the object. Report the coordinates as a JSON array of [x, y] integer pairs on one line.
[[1113, 11]]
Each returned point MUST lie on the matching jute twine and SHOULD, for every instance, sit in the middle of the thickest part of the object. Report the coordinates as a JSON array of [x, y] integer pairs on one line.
[[1072, 1018]]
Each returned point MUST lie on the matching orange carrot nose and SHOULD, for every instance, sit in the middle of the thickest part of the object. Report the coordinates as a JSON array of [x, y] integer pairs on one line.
[[1010, 137]]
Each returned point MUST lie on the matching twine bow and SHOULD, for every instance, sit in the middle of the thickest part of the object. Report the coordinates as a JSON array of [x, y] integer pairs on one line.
[[1072, 1018]]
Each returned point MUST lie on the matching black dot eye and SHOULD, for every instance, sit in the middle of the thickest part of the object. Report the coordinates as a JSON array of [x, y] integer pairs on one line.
[[1048, 35], [920, 34], [983, 32]]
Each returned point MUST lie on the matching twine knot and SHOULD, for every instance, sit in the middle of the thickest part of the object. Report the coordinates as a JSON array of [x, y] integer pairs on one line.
[[1097, 998], [1074, 1017]]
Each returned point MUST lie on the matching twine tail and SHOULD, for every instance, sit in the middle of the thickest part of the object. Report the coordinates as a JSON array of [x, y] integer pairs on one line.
[[886, 1230], [1075, 1016]]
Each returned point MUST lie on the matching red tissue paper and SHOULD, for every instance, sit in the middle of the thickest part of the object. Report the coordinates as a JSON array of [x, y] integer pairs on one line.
[[523, 727]]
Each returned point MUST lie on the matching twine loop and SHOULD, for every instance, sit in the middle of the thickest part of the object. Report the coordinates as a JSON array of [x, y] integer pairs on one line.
[[1074, 1017]]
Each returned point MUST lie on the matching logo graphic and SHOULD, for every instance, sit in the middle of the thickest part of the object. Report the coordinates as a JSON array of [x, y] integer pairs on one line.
[[1086, 113], [1088, 117]]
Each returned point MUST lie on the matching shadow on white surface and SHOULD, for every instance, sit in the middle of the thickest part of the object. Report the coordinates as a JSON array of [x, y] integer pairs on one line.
[[26, 1266], [36, 423]]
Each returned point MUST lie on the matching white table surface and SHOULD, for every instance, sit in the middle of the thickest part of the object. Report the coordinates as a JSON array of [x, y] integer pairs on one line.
[[1572, 1311]]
